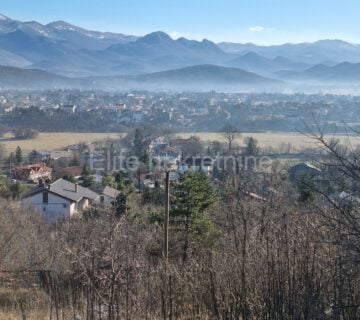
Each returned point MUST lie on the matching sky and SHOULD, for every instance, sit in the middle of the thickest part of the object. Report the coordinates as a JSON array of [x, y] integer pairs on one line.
[[259, 21]]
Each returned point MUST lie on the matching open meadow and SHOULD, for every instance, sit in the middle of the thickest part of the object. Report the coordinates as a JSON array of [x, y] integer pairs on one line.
[[273, 139], [54, 141], [51, 141]]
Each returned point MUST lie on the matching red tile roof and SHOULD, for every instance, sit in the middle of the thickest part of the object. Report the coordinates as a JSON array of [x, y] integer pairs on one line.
[[35, 167], [72, 171]]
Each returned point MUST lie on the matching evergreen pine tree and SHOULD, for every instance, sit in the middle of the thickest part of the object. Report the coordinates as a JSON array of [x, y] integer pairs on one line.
[[138, 143], [194, 194], [18, 156]]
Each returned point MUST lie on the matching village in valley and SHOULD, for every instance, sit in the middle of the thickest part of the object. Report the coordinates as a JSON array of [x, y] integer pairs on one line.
[[101, 111], [156, 129], [68, 182]]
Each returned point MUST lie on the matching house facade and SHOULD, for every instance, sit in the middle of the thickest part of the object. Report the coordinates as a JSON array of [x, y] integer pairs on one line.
[[162, 153], [60, 199], [298, 171], [196, 164]]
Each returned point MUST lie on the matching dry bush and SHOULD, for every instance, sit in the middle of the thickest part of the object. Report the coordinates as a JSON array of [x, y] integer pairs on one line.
[[274, 259]]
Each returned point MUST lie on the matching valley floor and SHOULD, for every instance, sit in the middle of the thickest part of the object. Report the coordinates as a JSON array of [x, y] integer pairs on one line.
[[57, 141], [54, 141], [273, 139]]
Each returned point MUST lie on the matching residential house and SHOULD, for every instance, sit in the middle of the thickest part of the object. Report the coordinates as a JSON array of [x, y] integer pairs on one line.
[[166, 155], [298, 171], [149, 179], [162, 153], [196, 164], [74, 171], [32, 173], [109, 195], [68, 108], [154, 143], [39, 156], [60, 199]]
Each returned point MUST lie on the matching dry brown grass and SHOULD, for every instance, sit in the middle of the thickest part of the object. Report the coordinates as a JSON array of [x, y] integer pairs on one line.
[[32, 315], [40, 314], [271, 139], [54, 141], [29, 304], [17, 303]]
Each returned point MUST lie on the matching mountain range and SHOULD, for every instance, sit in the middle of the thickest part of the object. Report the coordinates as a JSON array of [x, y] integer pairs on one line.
[[195, 78], [323, 51], [66, 53], [344, 72]]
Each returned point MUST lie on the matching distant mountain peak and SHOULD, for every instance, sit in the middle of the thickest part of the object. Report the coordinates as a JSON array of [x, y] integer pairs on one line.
[[156, 36], [335, 42], [209, 43], [62, 25]]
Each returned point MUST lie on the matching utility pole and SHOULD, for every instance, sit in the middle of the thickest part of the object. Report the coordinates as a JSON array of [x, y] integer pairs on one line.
[[10, 166], [166, 220], [166, 249]]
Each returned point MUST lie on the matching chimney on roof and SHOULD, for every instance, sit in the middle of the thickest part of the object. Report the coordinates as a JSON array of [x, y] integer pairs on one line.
[[76, 187]]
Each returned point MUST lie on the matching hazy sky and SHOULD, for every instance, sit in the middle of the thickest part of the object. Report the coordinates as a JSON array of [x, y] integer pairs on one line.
[[259, 21]]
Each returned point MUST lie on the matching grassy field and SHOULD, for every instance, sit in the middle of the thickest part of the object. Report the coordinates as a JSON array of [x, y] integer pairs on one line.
[[271, 139], [51, 141]]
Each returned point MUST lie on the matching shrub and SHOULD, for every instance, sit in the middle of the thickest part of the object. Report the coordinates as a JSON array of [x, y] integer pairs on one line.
[[25, 133]]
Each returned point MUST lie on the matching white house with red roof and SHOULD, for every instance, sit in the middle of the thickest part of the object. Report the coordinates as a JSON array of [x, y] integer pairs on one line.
[[32, 172]]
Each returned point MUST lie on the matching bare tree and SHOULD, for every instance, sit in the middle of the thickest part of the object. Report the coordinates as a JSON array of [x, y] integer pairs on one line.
[[269, 257], [230, 134]]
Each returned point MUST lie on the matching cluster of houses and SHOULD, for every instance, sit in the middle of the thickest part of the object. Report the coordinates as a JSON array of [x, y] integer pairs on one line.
[[168, 154], [198, 111], [52, 195], [55, 196]]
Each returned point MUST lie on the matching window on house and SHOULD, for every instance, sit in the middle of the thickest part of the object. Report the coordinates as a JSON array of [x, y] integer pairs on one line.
[[45, 197], [44, 208], [64, 205]]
